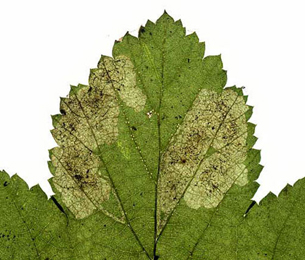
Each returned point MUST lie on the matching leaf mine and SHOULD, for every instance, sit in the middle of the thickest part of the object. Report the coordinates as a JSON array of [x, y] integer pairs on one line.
[[89, 120], [205, 156], [123, 78]]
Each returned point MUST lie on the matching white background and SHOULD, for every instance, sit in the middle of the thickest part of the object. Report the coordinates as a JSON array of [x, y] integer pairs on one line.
[[47, 45]]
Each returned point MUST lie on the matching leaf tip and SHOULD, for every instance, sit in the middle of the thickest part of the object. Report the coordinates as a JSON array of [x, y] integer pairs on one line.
[[165, 17]]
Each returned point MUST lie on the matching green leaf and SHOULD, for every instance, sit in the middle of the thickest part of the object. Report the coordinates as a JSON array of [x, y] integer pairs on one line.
[[154, 161], [32, 227]]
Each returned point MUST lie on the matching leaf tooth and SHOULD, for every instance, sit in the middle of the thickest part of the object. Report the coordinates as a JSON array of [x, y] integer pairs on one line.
[[268, 198], [179, 23], [141, 30], [75, 89], [117, 41], [285, 190], [50, 164], [38, 190], [21, 183], [99, 64], [55, 119], [193, 36], [213, 61], [149, 23], [249, 113], [4, 174], [127, 34]]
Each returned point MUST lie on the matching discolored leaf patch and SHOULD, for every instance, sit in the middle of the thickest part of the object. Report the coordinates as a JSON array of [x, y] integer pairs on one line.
[[121, 74], [205, 157]]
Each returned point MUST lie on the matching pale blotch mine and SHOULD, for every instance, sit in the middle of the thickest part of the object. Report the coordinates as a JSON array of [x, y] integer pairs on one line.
[[89, 119], [206, 155], [122, 74], [81, 192]]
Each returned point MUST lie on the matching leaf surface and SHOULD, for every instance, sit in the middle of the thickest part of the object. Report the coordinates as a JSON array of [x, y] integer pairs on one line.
[[154, 161]]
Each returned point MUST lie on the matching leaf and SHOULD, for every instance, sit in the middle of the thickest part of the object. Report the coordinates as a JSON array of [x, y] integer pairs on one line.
[[154, 161]]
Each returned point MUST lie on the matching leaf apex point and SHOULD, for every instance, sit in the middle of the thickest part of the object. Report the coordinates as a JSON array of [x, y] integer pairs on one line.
[[166, 16]]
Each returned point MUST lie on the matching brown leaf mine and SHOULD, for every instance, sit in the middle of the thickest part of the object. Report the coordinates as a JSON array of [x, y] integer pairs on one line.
[[205, 157]]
